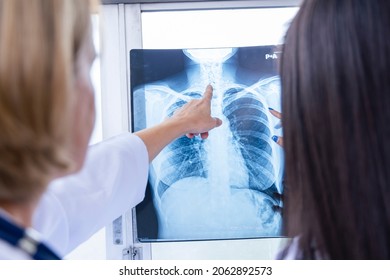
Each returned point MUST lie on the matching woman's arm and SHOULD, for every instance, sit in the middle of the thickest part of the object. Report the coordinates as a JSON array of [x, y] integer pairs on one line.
[[112, 180]]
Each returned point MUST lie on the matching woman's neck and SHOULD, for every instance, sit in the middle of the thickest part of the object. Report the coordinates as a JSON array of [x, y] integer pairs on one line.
[[20, 212]]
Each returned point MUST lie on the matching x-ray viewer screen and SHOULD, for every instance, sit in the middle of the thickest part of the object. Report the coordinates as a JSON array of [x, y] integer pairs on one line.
[[224, 187]]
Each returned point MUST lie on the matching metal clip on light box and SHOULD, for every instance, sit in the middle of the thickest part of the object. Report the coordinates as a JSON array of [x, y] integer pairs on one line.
[[132, 253]]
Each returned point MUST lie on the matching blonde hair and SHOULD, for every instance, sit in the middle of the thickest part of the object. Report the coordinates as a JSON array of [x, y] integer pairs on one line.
[[39, 43]]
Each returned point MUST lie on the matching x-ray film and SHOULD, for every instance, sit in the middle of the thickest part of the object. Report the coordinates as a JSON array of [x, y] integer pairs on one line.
[[227, 186]]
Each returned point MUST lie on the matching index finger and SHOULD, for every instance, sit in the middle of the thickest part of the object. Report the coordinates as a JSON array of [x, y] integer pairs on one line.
[[275, 113], [208, 94]]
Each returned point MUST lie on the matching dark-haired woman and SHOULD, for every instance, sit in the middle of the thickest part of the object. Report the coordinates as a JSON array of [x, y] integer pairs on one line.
[[336, 118]]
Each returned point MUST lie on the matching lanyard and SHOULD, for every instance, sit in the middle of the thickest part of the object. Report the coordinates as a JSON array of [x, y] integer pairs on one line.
[[26, 240]]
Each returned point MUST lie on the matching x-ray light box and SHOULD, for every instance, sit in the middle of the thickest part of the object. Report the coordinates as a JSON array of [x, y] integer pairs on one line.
[[227, 186]]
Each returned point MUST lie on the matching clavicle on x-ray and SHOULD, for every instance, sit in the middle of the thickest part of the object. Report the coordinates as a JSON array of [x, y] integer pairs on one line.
[[227, 186]]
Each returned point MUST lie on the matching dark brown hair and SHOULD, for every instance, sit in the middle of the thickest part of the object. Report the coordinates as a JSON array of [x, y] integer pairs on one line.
[[336, 115]]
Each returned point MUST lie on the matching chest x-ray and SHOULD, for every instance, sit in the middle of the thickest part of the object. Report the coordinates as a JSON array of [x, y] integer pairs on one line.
[[227, 186]]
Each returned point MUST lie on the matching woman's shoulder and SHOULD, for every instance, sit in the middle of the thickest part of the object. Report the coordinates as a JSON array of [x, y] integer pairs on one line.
[[290, 251], [293, 251]]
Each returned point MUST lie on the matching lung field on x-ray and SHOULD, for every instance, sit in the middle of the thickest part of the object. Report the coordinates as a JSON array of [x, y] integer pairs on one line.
[[250, 127], [224, 186], [184, 157]]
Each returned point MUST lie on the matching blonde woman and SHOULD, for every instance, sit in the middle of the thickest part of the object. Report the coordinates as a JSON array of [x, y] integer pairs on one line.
[[46, 119]]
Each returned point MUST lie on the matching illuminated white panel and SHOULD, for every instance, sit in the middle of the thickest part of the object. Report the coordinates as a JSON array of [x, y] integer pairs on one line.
[[215, 28]]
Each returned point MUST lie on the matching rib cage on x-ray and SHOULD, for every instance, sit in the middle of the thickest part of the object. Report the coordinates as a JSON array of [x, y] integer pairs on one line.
[[249, 158], [222, 187]]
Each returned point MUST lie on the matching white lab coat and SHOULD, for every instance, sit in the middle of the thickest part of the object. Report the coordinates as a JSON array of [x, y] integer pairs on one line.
[[112, 181]]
